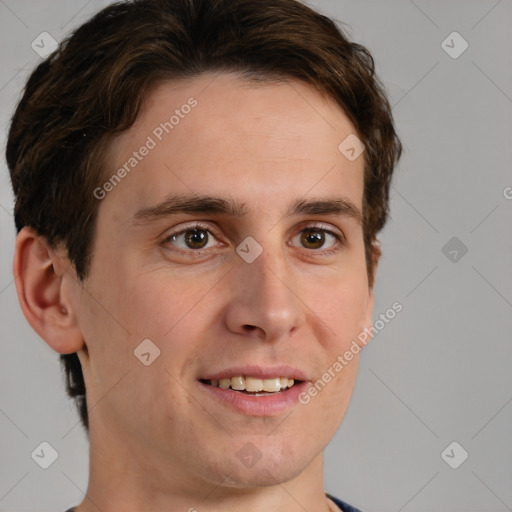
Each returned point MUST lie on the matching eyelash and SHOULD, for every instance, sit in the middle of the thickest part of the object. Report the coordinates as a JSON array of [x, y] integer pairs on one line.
[[197, 253]]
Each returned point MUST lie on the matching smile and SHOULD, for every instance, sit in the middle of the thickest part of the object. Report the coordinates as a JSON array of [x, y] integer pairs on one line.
[[253, 385]]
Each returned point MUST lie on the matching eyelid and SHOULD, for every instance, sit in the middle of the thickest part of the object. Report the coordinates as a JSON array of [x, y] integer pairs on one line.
[[328, 228], [190, 254], [303, 225], [192, 225], [339, 237]]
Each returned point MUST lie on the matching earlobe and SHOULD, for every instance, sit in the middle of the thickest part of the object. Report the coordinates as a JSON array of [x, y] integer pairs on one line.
[[39, 288]]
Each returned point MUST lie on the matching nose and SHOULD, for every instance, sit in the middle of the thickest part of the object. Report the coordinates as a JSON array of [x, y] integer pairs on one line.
[[265, 300]]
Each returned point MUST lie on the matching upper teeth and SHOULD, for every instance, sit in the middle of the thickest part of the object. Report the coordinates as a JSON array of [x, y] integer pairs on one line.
[[253, 384]]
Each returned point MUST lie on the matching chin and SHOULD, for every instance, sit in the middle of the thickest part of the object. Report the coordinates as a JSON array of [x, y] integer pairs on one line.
[[263, 475], [263, 461], [256, 480]]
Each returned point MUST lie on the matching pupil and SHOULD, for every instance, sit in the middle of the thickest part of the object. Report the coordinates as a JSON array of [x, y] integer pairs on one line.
[[196, 238], [315, 238]]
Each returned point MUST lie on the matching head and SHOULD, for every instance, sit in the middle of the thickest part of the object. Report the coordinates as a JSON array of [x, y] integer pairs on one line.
[[262, 94]]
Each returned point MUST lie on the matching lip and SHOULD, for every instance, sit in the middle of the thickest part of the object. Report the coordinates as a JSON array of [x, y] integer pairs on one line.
[[267, 405], [258, 372]]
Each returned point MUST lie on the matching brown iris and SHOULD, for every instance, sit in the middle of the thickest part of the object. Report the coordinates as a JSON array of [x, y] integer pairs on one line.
[[312, 238], [196, 238]]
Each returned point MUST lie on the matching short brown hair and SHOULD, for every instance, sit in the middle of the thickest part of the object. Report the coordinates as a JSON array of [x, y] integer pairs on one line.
[[93, 85]]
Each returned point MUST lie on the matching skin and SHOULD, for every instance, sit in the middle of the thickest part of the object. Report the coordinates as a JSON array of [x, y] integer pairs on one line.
[[157, 440]]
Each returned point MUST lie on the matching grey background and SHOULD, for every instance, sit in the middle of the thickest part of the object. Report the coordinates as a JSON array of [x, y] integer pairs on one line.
[[440, 371]]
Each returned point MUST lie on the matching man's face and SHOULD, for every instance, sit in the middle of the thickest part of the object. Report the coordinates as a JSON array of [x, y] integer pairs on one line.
[[177, 279]]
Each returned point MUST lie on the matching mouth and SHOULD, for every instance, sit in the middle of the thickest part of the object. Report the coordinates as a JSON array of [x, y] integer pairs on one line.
[[254, 390], [253, 386]]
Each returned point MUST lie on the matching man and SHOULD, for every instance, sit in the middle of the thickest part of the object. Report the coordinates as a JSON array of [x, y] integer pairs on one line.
[[199, 185]]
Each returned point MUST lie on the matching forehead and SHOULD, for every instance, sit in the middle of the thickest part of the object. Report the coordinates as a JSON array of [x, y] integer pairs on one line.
[[219, 135]]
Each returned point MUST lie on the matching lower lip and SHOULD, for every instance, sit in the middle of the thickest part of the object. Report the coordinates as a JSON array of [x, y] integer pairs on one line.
[[267, 405]]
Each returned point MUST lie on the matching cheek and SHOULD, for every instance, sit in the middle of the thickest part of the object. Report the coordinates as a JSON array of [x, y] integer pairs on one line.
[[158, 303], [345, 308]]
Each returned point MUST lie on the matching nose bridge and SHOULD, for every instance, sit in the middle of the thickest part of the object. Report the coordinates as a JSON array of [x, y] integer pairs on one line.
[[268, 275], [264, 296]]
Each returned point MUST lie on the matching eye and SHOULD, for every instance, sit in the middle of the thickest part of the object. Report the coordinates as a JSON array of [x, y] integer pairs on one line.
[[197, 238], [316, 238]]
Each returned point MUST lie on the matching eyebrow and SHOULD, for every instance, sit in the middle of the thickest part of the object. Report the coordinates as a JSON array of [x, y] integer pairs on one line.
[[210, 205]]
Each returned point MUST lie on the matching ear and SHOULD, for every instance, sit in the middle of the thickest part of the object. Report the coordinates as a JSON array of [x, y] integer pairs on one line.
[[40, 272]]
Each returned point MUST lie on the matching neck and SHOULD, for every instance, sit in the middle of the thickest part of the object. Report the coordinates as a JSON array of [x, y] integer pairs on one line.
[[122, 477]]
